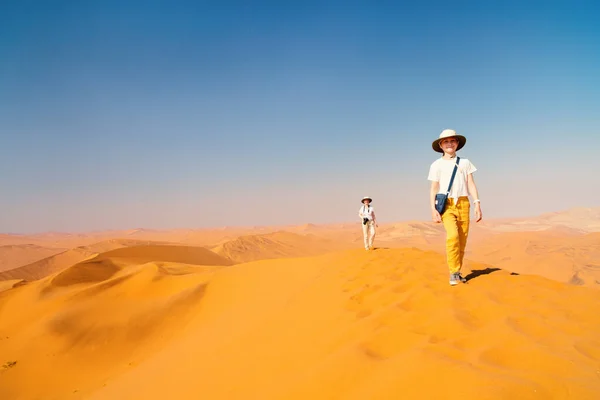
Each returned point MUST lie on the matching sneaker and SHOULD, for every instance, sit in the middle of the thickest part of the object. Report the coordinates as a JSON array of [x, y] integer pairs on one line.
[[453, 279], [461, 278]]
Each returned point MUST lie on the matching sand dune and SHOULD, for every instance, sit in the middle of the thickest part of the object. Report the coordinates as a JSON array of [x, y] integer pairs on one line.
[[572, 221], [17, 255], [6, 285], [103, 266], [347, 325], [55, 239], [576, 220], [566, 258], [46, 266], [276, 245], [168, 253], [96, 315], [248, 244], [50, 265], [113, 244], [582, 218], [199, 237]]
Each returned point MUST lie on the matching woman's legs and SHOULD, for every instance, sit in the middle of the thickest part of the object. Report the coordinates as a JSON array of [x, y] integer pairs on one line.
[[365, 229], [368, 234], [371, 233]]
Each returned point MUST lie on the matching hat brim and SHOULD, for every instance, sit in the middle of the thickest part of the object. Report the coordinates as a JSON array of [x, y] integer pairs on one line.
[[367, 198], [461, 143]]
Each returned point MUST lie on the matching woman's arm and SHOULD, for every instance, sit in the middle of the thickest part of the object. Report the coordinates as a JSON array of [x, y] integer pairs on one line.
[[472, 187]]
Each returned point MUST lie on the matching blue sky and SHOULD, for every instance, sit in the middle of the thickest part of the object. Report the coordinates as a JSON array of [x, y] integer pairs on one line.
[[191, 114]]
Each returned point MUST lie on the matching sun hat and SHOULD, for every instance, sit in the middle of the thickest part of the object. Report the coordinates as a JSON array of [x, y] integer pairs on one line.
[[447, 133], [366, 198]]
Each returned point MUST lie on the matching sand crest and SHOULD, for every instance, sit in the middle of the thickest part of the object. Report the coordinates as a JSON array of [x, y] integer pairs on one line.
[[345, 325]]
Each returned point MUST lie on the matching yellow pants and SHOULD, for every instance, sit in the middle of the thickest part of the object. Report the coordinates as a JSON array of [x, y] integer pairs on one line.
[[456, 223]]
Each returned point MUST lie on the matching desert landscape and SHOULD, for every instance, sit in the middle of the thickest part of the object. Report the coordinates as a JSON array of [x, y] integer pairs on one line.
[[299, 312], [185, 187]]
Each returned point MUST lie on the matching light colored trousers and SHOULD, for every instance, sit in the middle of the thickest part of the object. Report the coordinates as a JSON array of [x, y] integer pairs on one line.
[[369, 234], [456, 223]]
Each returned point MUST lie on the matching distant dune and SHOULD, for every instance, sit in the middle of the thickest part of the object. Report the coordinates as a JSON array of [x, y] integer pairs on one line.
[[167, 253], [104, 266], [576, 220], [46, 266], [17, 255], [113, 244], [6, 285], [242, 244], [586, 219], [423, 235], [127, 248], [346, 325], [276, 245], [572, 259]]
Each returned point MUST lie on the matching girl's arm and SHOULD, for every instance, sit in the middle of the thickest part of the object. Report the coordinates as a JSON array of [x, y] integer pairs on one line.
[[472, 187], [435, 216]]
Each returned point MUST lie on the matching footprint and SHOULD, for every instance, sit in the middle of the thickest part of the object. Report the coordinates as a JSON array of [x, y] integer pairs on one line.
[[590, 350], [400, 288], [9, 364], [389, 343]]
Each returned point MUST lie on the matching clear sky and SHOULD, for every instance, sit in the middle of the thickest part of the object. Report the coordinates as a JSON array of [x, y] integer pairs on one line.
[[166, 114]]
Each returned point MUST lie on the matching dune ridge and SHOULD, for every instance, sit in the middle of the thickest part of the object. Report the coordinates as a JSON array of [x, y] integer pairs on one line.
[[16, 255], [276, 245], [344, 325], [46, 266], [148, 250]]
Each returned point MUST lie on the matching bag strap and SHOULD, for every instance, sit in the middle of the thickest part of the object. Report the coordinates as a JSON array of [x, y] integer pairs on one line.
[[453, 174]]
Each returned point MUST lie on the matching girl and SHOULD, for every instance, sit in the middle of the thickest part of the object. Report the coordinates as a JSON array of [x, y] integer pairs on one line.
[[455, 216]]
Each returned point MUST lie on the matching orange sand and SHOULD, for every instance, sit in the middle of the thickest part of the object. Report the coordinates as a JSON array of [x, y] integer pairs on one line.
[[305, 313], [276, 245], [347, 325], [47, 266], [60, 261], [16, 255], [565, 258]]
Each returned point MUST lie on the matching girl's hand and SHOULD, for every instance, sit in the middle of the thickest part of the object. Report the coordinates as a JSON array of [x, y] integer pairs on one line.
[[478, 214], [435, 216]]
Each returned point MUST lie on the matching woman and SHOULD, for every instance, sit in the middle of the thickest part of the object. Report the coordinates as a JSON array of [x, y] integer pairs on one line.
[[455, 215], [369, 222]]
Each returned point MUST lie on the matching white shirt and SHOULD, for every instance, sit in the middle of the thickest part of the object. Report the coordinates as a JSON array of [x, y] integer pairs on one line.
[[367, 212], [441, 171]]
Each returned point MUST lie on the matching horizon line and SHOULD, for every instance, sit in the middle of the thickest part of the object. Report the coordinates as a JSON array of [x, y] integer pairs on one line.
[[224, 227]]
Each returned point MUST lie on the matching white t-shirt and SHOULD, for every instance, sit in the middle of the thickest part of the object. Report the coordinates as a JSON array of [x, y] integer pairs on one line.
[[441, 171], [368, 212]]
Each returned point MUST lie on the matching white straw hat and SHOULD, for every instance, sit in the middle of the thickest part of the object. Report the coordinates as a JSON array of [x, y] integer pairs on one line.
[[446, 133], [366, 198]]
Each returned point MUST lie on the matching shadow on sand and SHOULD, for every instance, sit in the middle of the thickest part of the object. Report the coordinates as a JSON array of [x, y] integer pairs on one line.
[[478, 272]]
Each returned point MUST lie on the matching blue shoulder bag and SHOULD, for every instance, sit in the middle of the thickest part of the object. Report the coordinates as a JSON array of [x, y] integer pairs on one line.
[[441, 198]]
